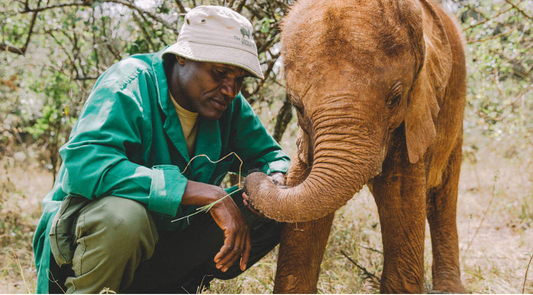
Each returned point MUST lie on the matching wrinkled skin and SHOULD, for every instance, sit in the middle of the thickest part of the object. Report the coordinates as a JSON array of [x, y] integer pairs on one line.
[[379, 88]]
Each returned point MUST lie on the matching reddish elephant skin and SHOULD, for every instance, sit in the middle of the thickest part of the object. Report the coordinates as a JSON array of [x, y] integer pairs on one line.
[[379, 88]]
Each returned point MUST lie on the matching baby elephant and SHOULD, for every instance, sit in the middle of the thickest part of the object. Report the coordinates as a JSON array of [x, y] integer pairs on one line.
[[379, 88]]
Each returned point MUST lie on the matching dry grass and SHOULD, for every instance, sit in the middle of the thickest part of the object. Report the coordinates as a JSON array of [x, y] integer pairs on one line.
[[494, 260], [22, 187]]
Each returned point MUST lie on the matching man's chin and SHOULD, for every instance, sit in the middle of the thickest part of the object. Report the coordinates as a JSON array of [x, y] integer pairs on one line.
[[212, 116]]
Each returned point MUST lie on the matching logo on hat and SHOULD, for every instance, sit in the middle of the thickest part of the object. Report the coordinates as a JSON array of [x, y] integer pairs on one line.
[[245, 32]]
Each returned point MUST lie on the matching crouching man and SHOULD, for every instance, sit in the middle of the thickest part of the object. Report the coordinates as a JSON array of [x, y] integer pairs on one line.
[[108, 221]]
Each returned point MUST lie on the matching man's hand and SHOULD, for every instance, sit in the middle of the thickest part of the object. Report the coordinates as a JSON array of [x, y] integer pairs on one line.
[[237, 243], [277, 178], [228, 217]]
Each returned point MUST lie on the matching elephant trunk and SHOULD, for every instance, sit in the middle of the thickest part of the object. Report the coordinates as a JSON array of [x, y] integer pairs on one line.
[[347, 153]]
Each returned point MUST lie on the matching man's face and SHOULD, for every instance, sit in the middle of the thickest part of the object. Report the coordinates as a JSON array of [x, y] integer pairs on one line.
[[206, 88]]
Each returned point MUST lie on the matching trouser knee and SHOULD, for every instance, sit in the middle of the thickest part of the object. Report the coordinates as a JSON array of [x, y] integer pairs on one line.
[[120, 225]]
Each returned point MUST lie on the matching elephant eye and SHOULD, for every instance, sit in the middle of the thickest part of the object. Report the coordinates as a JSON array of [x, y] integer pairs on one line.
[[395, 94]]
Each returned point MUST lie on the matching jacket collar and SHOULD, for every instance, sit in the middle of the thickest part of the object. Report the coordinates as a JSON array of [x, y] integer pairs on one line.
[[208, 141]]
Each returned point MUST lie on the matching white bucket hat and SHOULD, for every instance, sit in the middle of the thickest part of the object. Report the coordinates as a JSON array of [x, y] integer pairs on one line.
[[218, 34]]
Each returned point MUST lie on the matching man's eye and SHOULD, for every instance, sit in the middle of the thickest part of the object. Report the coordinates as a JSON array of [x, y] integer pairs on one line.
[[220, 73]]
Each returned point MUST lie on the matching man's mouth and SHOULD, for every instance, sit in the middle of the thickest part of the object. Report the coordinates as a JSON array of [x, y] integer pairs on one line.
[[219, 104]]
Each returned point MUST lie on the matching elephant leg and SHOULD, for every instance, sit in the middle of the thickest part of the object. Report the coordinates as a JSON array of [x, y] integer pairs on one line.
[[301, 251], [441, 211], [401, 200]]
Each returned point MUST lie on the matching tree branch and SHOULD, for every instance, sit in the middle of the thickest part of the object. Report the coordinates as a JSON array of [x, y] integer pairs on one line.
[[95, 50], [518, 9], [146, 35], [364, 270], [151, 15], [39, 9], [240, 6], [181, 7], [491, 38], [283, 119], [230, 3], [487, 19], [12, 49], [31, 28]]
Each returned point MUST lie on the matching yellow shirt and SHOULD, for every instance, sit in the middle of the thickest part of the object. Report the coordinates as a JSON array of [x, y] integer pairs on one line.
[[189, 125]]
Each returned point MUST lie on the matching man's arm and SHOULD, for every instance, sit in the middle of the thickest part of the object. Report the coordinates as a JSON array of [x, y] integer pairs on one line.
[[112, 130]]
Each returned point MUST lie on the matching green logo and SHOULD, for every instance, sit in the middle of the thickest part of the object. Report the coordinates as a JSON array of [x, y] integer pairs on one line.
[[245, 32]]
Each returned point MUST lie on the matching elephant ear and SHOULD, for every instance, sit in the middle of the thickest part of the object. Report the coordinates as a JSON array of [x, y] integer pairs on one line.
[[430, 85]]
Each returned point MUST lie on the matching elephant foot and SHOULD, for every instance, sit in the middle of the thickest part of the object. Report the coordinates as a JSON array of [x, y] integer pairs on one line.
[[400, 286], [444, 287]]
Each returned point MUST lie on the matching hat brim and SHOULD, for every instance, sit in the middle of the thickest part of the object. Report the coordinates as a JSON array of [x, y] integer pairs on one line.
[[218, 54]]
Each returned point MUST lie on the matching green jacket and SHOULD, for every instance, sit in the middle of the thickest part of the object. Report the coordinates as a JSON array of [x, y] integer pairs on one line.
[[128, 142]]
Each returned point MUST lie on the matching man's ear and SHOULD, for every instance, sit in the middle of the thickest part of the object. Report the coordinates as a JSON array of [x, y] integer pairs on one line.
[[181, 60]]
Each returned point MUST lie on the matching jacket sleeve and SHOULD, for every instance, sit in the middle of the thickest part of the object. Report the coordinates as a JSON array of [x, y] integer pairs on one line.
[[110, 136], [252, 142]]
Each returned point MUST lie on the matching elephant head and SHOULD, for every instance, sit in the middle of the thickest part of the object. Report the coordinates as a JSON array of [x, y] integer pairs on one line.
[[356, 72]]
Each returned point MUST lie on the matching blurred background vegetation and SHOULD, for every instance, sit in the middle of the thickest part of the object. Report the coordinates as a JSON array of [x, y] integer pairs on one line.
[[52, 52]]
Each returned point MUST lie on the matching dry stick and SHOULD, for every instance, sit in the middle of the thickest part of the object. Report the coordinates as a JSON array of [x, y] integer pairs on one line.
[[106, 290], [525, 278], [53, 279], [369, 274], [21, 271], [515, 6], [483, 218], [208, 207], [371, 249]]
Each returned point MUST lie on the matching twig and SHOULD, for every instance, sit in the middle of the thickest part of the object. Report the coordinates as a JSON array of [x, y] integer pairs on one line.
[[367, 273], [151, 15], [240, 6], [53, 280], [21, 271], [95, 50], [491, 38], [487, 19], [32, 25], [515, 6], [106, 290], [39, 9], [371, 249], [141, 25], [525, 277], [282, 119], [483, 218], [12, 49], [208, 207], [180, 6]]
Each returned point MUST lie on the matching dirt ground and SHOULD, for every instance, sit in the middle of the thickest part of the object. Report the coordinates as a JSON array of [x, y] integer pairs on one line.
[[495, 215]]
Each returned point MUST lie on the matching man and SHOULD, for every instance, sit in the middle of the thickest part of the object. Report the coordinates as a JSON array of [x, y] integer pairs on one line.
[[108, 221]]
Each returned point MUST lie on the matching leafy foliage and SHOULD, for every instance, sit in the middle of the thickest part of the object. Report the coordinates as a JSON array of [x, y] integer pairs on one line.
[[499, 41], [52, 51]]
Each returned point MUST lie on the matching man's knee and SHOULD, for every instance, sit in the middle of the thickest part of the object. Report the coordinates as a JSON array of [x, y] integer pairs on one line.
[[117, 220]]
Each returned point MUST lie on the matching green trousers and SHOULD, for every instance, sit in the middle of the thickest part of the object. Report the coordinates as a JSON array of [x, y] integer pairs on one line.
[[117, 246]]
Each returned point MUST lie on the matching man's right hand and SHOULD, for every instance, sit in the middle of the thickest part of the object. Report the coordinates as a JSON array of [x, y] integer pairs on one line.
[[237, 243]]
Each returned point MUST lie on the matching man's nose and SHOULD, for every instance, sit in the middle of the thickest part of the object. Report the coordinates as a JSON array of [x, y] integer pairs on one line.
[[229, 88]]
